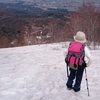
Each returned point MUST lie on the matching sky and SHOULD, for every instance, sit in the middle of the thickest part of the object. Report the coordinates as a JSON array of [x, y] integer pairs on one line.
[[38, 72]]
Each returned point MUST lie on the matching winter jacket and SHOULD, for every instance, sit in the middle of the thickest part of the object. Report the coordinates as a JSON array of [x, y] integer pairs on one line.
[[88, 56]]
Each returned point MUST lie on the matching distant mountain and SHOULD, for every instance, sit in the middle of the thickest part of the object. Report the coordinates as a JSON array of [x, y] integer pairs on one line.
[[22, 8], [42, 7], [68, 4]]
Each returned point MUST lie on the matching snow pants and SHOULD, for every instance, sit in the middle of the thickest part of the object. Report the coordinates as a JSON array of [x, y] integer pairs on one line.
[[77, 75]]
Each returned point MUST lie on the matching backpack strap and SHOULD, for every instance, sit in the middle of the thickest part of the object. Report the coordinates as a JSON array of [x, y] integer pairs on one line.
[[75, 62]]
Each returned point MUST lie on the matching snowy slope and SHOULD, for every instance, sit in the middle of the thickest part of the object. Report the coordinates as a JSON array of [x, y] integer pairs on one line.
[[39, 73]]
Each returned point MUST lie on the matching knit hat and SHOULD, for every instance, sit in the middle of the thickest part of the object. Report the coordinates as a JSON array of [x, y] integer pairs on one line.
[[80, 37]]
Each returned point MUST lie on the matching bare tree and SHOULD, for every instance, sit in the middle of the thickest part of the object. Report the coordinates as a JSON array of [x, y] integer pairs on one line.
[[86, 19]]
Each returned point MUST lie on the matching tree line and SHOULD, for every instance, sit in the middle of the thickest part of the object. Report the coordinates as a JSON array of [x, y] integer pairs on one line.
[[87, 19], [29, 31]]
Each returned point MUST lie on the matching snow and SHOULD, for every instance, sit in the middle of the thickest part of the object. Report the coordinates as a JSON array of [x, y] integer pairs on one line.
[[38, 72]]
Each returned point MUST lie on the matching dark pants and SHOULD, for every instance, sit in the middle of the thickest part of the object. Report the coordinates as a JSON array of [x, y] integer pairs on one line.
[[77, 75]]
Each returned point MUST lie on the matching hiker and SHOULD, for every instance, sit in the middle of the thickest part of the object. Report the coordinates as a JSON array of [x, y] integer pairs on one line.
[[76, 69]]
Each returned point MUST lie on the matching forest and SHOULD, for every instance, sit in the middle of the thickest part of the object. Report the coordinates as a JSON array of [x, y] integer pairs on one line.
[[51, 27]]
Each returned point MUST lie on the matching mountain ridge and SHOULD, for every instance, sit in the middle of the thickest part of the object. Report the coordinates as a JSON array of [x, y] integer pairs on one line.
[[70, 5]]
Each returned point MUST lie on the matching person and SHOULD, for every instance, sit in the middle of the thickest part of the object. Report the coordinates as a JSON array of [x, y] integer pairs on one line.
[[77, 74]]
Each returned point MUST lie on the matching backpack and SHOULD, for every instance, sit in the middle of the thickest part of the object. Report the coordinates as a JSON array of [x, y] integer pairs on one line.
[[76, 54]]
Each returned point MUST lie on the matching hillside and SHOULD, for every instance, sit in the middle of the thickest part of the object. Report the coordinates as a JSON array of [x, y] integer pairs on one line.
[[22, 24], [39, 73], [21, 30], [29, 24]]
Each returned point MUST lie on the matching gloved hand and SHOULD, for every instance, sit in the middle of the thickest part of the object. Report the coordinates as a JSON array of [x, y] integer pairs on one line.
[[84, 64], [65, 60]]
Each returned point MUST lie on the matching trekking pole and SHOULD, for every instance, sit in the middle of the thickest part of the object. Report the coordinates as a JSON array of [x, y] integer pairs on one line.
[[87, 82], [67, 70]]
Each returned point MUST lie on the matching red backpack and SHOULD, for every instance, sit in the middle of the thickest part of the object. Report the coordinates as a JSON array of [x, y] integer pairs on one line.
[[75, 54]]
